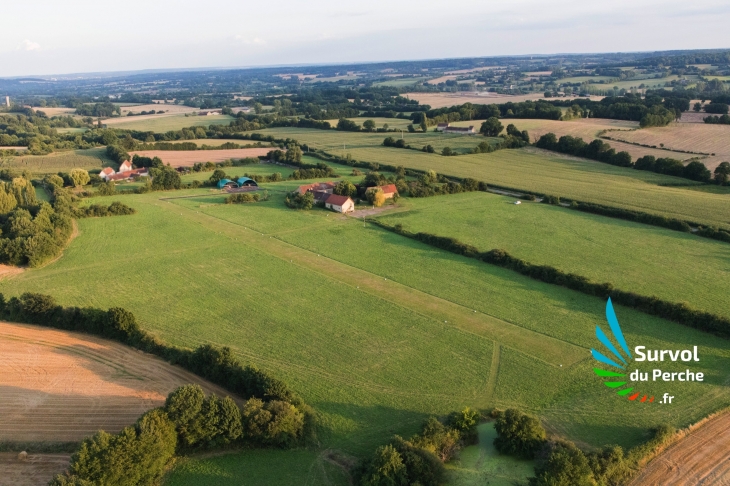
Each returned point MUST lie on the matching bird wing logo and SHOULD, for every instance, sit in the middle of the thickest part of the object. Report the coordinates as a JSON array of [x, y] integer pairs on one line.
[[615, 359]]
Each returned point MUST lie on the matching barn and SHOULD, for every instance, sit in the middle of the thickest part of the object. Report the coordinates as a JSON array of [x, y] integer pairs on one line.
[[246, 181], [226, 183], [341, 204]]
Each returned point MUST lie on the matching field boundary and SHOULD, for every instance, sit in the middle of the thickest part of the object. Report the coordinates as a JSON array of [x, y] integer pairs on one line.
[[679, 313]]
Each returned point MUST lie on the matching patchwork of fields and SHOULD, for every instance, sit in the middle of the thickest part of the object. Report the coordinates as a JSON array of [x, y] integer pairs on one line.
[[543, 172], [374, 330]]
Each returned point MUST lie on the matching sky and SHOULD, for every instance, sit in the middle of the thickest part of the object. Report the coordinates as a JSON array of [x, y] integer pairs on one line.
[[42, 37]]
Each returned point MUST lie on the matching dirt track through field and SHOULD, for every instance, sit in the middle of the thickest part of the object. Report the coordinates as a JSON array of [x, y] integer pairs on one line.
[[57, 386], [549, 349], [186, 158], [700, 458]]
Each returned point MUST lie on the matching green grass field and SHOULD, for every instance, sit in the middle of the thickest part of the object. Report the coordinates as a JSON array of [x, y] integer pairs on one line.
[[678, 267], [374, 330], [398, 123], [59, 161], [539, 171], [341, 143], [163, 124]]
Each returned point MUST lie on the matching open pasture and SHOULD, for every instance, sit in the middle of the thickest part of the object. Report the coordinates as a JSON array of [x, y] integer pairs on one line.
[[164, 123], [169, 109], [401, 82], [674, 266], [398, 123], [360, 322], [686, 136], [59, 161], [342, 143], [544, 172], [186, 158], [55, 111], [60, 386]]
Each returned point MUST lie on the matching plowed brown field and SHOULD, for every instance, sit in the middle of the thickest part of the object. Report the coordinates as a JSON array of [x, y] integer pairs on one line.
[[701, 457], [58, 386], [186, 158]]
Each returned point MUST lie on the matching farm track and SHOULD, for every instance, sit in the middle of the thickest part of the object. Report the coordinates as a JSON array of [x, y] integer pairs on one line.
[[702, 458], [551, 350], [58, 386]]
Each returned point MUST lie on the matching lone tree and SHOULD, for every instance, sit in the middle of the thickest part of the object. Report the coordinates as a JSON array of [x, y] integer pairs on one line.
[[368, 126], [722, 173], [376, 197], [345, 188], [80, 177], [491, 128]]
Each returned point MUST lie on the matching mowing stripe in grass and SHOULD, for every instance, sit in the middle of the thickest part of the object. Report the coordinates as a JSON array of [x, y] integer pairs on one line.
[[550, 349]]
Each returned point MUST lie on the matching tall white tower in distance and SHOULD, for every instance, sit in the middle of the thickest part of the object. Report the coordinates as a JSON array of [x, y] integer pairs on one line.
[[7, 101]]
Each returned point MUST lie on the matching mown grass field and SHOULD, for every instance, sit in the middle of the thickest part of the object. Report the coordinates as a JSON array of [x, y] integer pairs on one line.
[[342, 143], [399, 123], [543, 172], [678, 267], [164, 123], [374, 330], [59, 161]]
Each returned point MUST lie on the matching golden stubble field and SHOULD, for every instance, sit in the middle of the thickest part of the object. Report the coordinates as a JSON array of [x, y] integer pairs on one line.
[[186, 158], [59, 386], [697, 137]]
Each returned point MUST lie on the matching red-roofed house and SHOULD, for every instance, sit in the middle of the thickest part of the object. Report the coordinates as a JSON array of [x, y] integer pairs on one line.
[[125, 166], [130, 174], [388, 190], [106, 173], [327, 187], [341, 204]]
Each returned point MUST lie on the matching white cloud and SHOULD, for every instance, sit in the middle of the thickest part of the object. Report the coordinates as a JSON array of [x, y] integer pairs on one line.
[[256, 41], [28, 45]]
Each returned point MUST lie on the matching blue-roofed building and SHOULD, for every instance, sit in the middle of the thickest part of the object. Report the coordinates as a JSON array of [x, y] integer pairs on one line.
[[246, 181], [223, 183]]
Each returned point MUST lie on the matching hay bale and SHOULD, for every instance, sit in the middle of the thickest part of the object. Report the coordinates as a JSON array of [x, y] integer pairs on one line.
[[23, 456]]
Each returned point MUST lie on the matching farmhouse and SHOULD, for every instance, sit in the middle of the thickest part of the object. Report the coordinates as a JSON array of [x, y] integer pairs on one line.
[[389, 190], [106, 173], [227, 183], [208, 113], [246, 181], [327, 187], [129, 174], [463, 130], [125, 166], [441, 127], [341, 204]]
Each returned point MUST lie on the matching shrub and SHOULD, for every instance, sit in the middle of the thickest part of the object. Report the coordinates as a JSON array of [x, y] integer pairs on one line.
[[518, 434]]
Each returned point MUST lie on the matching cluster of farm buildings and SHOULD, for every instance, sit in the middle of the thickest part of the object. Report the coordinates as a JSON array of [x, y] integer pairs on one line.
[[323, 193], [124, 173]]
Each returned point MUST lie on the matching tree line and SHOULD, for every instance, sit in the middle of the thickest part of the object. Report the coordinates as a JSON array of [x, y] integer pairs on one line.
[[677, 312], [602, 152], [561, 462], [216, 364]]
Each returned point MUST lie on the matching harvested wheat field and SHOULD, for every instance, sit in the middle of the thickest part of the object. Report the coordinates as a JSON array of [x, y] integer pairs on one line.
[[186, 158], [695, 137], [34, 470], [588, 129], [701, 457], [58, 386], [440, 100]]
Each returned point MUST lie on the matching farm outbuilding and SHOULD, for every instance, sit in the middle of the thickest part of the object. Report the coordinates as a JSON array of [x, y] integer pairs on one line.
[[341, 204], [246, 181], [226, 183]]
